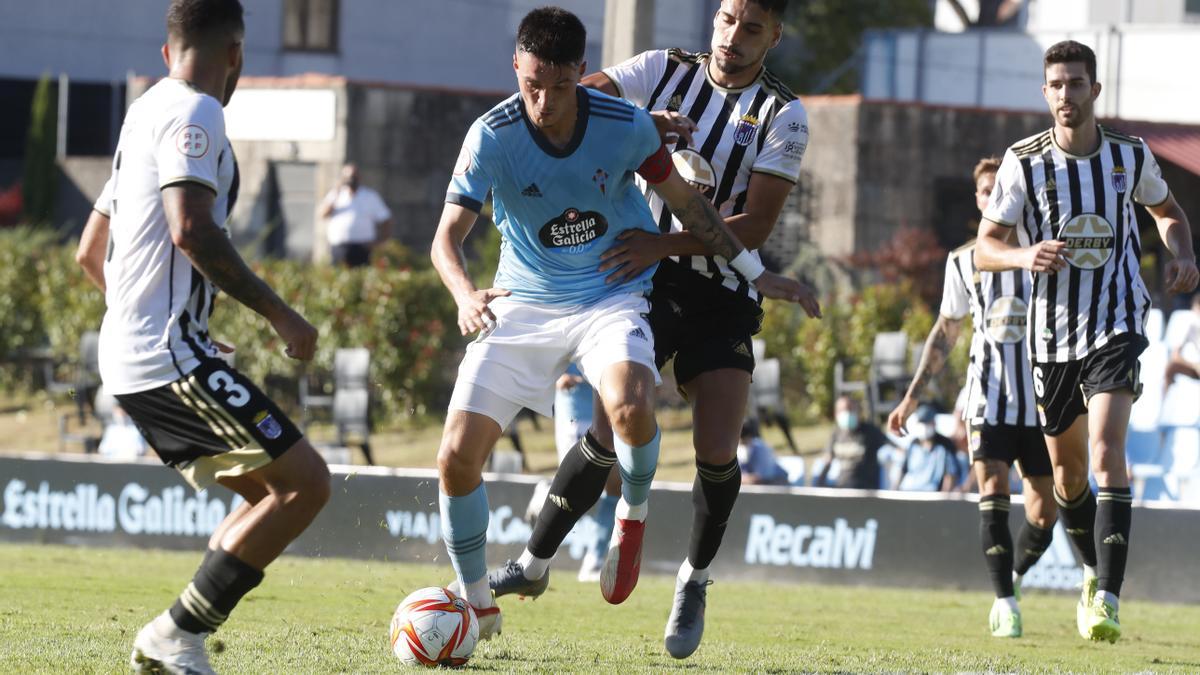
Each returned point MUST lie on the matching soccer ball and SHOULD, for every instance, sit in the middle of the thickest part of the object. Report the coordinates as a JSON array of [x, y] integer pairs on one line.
[[434, 627]]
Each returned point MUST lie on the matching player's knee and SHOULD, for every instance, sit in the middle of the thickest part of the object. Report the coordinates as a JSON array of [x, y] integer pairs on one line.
[[1069, 481], [993, 478], [310, 482], [632, 419], [713, 450], [456, 466]]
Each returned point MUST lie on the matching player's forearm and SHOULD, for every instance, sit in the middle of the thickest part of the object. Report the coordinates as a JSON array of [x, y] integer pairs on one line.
[[213, 254], [933, 357], [451, 265], [704, 223], [1176, 233], [995, 255], [600, 82], [92, 246], [745, 227]]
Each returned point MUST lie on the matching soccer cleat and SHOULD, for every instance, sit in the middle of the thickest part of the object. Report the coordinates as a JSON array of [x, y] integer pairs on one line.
[[489, 621], [511, 579], [1004, 621], [1102, 623], [1083, 608], [180, 653], [619, 576], [685, 625]]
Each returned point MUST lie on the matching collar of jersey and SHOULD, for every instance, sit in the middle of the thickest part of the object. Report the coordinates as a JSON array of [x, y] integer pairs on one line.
[[1099, 133], [708, 76], [581, 122]]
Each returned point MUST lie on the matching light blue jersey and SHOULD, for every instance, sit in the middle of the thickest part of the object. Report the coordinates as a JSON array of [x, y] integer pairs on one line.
[[557, 209]]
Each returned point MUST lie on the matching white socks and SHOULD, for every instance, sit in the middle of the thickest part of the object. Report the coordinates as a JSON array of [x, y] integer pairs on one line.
[[479, 594], [626, 511], [534, 567], [688, 573]]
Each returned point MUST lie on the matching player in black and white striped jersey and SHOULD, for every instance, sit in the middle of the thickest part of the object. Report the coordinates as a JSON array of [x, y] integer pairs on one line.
[[999, 409], [1068, 194]]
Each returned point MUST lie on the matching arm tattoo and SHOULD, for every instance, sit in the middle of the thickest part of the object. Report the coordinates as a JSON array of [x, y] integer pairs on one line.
[[214, 255], [702, 220], [933, 358]]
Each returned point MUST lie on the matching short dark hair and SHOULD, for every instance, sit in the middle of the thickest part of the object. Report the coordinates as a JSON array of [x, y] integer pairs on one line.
[[196, 21], [553, 35], [1070, 51], [776, 7]]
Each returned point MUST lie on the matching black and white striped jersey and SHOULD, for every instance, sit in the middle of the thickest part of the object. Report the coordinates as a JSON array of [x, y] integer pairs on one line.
[[155, 326], [1086, 202], [760, 128], [999, 386]]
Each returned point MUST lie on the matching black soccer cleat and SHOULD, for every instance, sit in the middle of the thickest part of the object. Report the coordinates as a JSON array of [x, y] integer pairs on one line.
[[510, 579]]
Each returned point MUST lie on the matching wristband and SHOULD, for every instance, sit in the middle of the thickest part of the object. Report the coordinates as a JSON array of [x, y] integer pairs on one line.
[[747, 265]]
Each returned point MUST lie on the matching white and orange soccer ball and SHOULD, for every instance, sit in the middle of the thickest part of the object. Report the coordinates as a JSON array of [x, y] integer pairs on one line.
[[434, 627]]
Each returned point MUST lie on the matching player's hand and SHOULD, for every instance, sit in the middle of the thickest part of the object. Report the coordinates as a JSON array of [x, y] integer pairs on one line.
[[634, 251], [1047, 257], [298, 334], [779, 287], [672, 126], [473, 312], [221, 346], [1182, 275], [897, 418], [567, 381]]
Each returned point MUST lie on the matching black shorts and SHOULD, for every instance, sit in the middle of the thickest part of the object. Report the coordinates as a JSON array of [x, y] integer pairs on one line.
[[700, 323], [1064, 389], [210, 423], [1009, 443], [351, 255]]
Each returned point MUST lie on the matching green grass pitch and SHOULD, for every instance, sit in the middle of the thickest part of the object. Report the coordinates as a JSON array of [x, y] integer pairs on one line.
[[76, 610]]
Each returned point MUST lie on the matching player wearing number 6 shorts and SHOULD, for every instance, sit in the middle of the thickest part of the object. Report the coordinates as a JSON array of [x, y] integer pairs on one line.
[[173, 184], [1068, 193], [999, 410]]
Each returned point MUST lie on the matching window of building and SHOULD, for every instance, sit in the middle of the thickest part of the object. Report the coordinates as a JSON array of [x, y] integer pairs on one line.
[[310, 25]]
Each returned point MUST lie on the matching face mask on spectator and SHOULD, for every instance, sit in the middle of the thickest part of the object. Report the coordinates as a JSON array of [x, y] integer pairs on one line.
[[847, 421], [922, 431]]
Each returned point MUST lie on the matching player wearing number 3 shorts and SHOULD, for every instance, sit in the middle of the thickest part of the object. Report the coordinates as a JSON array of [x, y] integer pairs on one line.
[[1067, 195], [174, 182]]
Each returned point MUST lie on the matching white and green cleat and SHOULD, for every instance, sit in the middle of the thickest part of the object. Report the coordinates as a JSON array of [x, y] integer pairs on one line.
[[1004, 620], [1102, 621], [1083, 609]]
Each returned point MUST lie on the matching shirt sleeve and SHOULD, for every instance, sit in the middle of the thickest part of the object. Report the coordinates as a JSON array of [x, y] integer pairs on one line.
[[103, 203], [1007, 203], [1151, 189], [786, 141], [382, 212], [636, 78], [956, 301], [471, 180], [189, 143]]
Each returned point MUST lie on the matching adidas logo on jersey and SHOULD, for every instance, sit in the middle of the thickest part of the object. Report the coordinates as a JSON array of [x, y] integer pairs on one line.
[[531, 191], [638, 333]]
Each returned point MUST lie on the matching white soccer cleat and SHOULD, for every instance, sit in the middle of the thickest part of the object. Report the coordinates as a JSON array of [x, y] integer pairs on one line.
[[177, 653]]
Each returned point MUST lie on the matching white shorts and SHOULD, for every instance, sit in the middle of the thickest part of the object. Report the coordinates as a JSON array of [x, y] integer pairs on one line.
[[515, 364]]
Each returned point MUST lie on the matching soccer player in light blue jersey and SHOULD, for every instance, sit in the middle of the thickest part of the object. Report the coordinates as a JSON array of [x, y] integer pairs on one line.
[[559, 161]]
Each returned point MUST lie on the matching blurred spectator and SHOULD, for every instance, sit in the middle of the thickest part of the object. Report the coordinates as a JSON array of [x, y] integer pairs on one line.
[[930, 461], [572, 409], [757, 459], [121, 438], [358, 219], [855, 446], [1185, 359]]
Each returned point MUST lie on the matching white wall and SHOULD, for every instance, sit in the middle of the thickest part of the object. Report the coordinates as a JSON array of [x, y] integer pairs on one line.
[[458, 44], [1145, 70]]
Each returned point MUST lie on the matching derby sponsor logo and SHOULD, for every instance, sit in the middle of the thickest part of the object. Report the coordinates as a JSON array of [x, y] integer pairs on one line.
[[574, 231], [837, 546], [134, 510], [1089, 239], [696, 170], [1006, 319]]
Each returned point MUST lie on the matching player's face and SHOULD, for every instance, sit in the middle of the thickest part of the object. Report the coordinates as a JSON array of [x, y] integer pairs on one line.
[[983, 189], [1070, 93], [547, 90], [742, 33]]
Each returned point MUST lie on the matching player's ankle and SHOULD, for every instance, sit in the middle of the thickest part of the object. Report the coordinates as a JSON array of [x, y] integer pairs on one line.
[[627, 511], [533, 567]]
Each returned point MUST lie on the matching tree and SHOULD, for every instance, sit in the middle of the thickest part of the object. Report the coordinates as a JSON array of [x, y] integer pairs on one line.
[[40, 176], [822, 39]]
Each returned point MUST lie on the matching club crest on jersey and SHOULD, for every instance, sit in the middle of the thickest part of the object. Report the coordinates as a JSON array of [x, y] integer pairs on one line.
[[746, 128], [1120, 181], [268, 425], [574, 231], [675, 103], [1089, 238], [1006, 319], [600, 178]]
